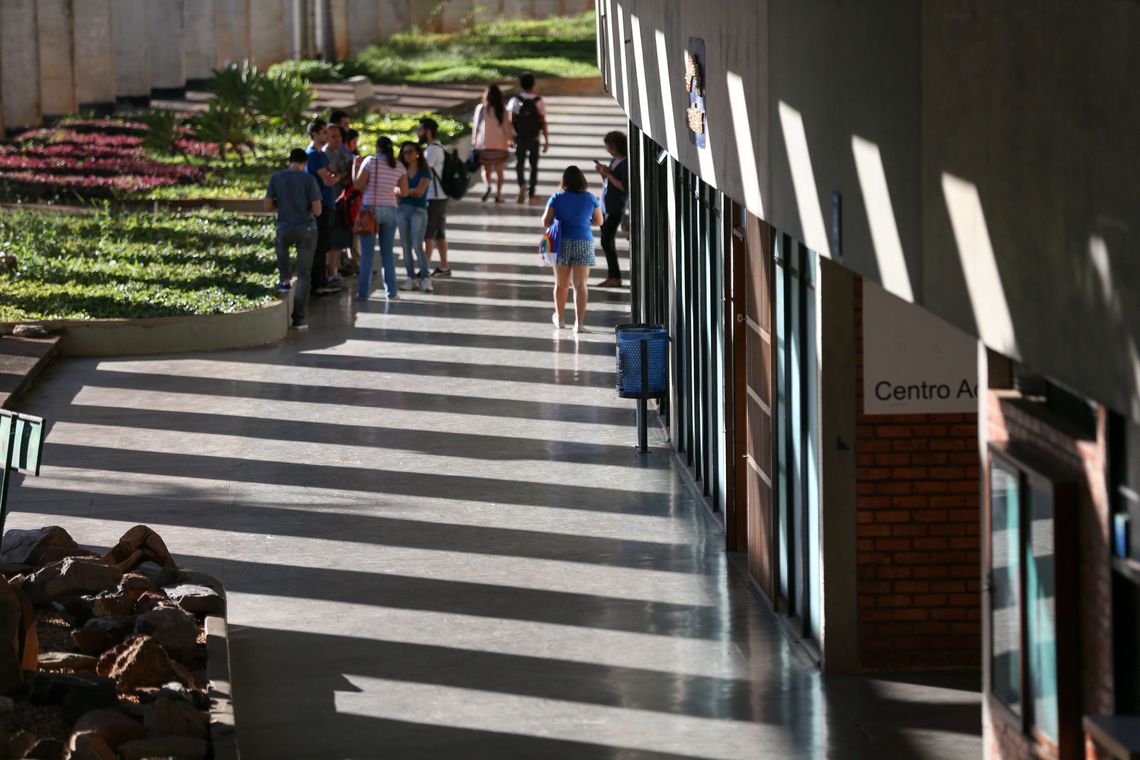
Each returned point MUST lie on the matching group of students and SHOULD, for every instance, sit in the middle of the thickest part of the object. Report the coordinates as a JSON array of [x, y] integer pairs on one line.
[[403, 194], [402, 191]]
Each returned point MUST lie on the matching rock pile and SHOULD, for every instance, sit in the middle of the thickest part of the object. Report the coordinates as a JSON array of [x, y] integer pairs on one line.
[[131, 681]]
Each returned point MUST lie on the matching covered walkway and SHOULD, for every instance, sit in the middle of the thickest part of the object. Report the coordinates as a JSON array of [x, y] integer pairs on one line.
[[439, 541]]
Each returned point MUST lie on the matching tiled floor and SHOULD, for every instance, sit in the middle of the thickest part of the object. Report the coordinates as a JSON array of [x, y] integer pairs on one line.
[[439, 540]]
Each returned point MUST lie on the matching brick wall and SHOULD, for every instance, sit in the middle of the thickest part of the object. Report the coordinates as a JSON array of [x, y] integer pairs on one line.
[[1009, 423], [918, 536]]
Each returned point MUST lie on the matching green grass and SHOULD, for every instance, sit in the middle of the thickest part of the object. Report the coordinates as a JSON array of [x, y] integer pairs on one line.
[[233, 179], [117, 264], [561, 46]]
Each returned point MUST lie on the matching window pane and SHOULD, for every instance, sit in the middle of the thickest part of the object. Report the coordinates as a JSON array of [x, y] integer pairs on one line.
[[1004, 627], [1040, 591]]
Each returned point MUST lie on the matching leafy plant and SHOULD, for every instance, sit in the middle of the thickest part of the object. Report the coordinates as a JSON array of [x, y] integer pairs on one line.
[[287, 97], [235, 86], [224, 125], [313, 71], [163, 130]]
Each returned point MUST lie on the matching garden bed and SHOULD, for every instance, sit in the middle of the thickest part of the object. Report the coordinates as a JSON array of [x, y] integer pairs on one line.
[[115, 264]]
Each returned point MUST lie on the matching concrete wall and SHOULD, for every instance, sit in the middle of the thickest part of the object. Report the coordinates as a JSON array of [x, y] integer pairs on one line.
[[167, 62], [268, 41], [983, 154], [199, 20], [363, 22], [56, 64], [131, 30], [233, 30], [19, 64], [93, 38]]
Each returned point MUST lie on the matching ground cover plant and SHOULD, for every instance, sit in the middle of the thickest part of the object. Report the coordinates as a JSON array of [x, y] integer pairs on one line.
[[112, 263], [491, 51]]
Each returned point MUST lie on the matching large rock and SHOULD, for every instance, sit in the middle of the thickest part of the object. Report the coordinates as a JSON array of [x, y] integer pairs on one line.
[[19, 642], [102, 633], [111, 725], [196, 599], [88, 745], [47, 749], [181, 747], [168, 716], [74, 576], [26, 547], [138, 662], [77, 694], [175, 629], [66, 661], [138, 545]]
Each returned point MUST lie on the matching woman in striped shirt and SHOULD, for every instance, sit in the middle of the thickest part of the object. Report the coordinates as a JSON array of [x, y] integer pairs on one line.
[[378, 177]]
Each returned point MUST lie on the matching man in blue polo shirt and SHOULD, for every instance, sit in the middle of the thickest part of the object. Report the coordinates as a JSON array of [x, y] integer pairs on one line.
[[327, 179]]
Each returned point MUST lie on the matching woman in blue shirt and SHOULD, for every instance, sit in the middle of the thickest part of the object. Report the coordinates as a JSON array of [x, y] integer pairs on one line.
[[577, 211], [412, 214]]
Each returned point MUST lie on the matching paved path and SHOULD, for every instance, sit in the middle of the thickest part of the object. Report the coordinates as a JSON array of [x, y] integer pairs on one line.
[[438, 538]]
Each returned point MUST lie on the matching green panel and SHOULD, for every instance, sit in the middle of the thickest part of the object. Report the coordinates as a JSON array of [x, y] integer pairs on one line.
[[29, 444]]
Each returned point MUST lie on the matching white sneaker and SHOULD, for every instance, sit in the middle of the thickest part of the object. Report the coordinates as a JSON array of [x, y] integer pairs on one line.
[[408, 284], [425, 285]]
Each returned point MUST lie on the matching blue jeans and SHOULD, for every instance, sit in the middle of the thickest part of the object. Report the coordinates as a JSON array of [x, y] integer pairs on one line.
[[386, 229], [413, 224]]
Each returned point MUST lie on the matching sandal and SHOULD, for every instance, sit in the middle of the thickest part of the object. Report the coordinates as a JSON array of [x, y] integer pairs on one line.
[[486, 194]]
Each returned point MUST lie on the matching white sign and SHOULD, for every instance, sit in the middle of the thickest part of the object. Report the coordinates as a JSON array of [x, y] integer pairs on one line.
[[913, 362]]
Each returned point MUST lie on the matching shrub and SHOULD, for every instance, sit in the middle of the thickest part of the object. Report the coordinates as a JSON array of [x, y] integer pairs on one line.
[[225, 126], [287, 97], [313, 71], [235, 86]]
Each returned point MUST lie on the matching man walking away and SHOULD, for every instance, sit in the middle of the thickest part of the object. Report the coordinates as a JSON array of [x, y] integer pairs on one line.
[[296, 197], [436, 234], [528, 115], [327, 179]]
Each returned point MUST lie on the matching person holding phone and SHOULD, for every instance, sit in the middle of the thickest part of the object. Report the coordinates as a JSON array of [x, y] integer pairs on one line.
[[615, 193]]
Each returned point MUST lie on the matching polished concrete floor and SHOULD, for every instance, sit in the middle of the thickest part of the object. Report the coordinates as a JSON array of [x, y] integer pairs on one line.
[[439, 540]]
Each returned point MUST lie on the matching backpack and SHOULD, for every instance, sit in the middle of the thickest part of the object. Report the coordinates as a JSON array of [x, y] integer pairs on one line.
[[348, 206], [528, 121], [453, 179]]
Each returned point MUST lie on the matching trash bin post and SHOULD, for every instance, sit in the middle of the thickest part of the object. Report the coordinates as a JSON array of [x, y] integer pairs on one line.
[[642, 401]]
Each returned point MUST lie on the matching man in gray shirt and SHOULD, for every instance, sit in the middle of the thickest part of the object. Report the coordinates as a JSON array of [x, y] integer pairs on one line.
[[296, 197]]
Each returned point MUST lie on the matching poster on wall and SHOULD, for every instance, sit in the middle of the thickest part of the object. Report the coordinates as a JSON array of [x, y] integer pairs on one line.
[[695, 86], [913, 362]]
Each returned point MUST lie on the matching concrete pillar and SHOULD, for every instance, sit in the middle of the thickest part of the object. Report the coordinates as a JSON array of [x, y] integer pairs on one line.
[[19, 64], [269, 41], [232, 18], [57, 70], [395, 16], [94, 62], [341, 25], [456, 13], [547, 8], [131, 32], [363, 24], [200, 40], [167, 46], [518, 8]]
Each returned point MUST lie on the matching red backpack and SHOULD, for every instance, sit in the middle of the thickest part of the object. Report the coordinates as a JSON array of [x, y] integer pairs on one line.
[[348, 206]]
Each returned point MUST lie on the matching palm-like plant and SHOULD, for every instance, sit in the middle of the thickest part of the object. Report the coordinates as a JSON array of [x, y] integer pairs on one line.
[[287, 97], [224, 125], [236, 85], [162, 131]]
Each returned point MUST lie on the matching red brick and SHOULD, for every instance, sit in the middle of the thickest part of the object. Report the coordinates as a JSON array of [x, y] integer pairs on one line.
[[931, 544], [947, 529], [908, 473], [930, 600], [891, 516], [930, 629], [931, 515], [874, 446], [893, 431], [931, 458], [950, 444], [873, 473], [911, 613], [892, 487], [894, 572], [910, 502], [948, 587], [947, 473], [909, 529], [892, 544], [892, 460], [929, 431], [873, 531], [911, 587], [965, 600]]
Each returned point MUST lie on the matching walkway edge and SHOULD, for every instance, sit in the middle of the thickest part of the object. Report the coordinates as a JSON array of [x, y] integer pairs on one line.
[[223, 724], [166, 335]]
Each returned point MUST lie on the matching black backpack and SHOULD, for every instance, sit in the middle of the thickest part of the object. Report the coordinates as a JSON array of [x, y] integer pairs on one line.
[[453, 178], [528, 121]]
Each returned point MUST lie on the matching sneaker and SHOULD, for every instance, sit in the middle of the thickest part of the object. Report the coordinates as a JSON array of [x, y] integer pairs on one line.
[[555, 322], [408, 284], [522, 195], [299, 324], [284, 286], [426, 286], [439, 273], [394, 297], [336, 282]]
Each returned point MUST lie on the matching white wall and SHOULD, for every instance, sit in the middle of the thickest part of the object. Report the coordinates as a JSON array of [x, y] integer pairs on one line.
[[199, 25], [19, 64], [167, 62], [268, 40], [94, 52], [131, 31], [56, 65]]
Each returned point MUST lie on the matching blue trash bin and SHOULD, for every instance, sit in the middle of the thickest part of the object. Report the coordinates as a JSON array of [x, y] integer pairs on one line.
[[633, 343]]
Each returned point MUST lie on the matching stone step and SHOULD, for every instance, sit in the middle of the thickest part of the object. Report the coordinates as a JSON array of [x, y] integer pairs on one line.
[[21, 360]]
